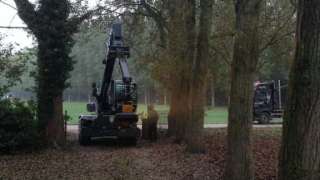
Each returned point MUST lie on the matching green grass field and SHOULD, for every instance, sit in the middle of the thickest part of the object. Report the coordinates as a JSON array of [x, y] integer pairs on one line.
[[217, 115]]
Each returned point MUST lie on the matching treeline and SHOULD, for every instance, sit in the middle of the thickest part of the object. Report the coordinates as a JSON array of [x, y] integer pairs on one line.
[[146, 36]]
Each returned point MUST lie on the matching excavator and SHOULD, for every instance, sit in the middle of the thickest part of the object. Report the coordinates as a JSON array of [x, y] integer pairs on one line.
[[115, 102]]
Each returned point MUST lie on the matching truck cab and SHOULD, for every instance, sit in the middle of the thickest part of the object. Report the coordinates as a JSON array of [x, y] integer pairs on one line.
[[269, 100]]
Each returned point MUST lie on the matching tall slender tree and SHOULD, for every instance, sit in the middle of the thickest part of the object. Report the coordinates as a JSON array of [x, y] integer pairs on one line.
[[199, 79], [246, 53], [300, 152]]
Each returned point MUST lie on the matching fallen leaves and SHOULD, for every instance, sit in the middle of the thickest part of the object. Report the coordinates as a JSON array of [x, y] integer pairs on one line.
[[161, 160]]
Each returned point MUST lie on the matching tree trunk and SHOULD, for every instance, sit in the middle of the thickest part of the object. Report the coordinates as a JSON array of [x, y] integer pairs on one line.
[[179, 111], [50, 116], [239, 165], [172, 113], [300, 151], [165, 98], [53, 30], [211, 90], [174, 26], [213, 95], [50, 91], [199, 81], [55, 128], [146, 96], [181, 47]]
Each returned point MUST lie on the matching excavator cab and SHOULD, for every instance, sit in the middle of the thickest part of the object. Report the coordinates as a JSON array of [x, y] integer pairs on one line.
[[124, 96]]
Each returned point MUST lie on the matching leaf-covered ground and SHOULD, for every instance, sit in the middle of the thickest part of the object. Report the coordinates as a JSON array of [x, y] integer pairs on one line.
[[147, 161]]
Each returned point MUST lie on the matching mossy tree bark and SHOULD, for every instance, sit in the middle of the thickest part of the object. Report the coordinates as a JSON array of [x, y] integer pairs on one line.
[[53, 31], [239, 165], [300, 151]]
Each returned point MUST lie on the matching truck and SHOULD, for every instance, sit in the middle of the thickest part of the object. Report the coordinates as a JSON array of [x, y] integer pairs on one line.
[[269, 100], [115, 102]]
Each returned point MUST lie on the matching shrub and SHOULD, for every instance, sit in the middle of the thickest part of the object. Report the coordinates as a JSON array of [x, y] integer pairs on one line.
[[17, 126]]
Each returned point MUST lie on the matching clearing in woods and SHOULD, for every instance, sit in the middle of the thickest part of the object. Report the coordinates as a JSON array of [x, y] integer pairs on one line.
[[218, 115]]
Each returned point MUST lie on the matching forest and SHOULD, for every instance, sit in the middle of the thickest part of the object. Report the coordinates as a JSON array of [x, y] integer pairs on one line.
[[174, 89]]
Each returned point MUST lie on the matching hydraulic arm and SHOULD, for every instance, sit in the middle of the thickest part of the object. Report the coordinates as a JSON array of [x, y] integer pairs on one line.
[[117, 53]]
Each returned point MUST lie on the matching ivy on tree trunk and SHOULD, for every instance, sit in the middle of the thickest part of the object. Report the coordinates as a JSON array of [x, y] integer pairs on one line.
[[53, 29]]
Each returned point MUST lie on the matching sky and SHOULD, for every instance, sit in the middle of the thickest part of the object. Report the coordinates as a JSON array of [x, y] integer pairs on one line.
[[9, 17]]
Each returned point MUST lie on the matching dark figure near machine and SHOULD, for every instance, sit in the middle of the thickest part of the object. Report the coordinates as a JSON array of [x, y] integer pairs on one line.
[[116, 100], [149, 124], [153, 118], [269, 100]]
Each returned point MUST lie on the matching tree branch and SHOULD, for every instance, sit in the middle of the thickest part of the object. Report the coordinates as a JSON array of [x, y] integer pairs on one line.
[[223, 35], [276, 36], [74, 22], [158, 18], [222, 55], [27, 13], [13, 27], [7, 4]]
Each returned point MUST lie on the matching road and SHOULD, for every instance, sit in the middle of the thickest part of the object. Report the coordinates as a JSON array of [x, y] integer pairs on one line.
[[74, 128]]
